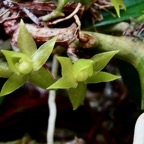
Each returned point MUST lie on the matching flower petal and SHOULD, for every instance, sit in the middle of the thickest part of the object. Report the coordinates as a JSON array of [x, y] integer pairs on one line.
[[42, 78], [13, 58], [102, 77], [102, 59], [42, 54], [5, 72], [62, 83], [26, 43], [66, 66], [77, 95], [13, 83]]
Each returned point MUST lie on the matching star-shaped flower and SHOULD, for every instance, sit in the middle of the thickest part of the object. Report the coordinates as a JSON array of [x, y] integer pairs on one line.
[[27, 65], [76, 76]]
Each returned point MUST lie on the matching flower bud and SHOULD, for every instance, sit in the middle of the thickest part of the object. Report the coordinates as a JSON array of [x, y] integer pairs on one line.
[[82, 69], [24, 67]]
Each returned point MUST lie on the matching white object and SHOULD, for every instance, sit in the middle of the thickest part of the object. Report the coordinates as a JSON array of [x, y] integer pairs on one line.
[[139, 130]]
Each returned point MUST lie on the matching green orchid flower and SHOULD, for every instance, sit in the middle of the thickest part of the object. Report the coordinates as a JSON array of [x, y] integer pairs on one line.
[[26, 65], [76, 76]]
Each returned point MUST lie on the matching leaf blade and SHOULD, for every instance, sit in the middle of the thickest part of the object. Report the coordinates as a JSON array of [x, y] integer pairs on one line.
[[134, 9]]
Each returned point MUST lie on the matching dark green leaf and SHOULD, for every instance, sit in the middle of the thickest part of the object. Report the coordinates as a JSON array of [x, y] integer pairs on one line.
[[77, 95], [129, 3], [134, 9], [102, 77], [42, 54], [42, 78], [26, 43], [13, 83], [102, 59]]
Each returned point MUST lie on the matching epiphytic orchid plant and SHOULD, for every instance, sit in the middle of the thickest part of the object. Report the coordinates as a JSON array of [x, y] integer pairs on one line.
[[27, 65]]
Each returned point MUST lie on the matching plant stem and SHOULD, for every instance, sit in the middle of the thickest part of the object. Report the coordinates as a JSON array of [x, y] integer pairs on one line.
[[52, 106], [131, 49], [55, 13], [52, 15], [140, 70]]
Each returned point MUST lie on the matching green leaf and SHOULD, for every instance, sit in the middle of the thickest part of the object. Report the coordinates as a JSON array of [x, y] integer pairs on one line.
[[13, 58], [132, 2], [42, 78], [102, 59], [42, 54], [102, 77], [117, 4], [13, 83], [26, 43], [134, 9], [63, 83], [5, 72], [77, 95]]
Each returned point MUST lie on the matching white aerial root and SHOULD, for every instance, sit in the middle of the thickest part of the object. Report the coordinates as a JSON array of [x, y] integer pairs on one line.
[[52, 106]]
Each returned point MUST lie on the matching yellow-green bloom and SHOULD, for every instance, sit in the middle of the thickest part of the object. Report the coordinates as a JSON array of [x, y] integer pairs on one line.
[[76, 76], [27, 65]]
